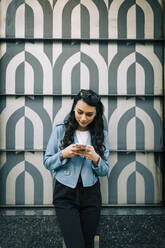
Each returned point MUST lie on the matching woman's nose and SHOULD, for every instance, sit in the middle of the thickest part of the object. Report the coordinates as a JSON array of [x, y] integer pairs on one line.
[[83, 117]]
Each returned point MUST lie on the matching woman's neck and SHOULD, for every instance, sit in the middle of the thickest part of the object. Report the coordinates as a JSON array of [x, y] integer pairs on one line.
[[82, 129]]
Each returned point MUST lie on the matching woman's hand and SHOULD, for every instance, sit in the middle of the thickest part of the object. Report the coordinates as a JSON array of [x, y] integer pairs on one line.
[[90, 154], [70, 151]]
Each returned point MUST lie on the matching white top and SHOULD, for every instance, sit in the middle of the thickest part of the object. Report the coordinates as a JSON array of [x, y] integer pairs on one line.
[[82, 136]]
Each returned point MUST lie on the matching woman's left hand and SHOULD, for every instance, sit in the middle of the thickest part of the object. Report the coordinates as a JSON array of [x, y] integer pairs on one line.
[[90, 154]]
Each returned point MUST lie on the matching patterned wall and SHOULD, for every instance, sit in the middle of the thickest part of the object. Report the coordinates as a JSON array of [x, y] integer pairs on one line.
[[49, 50]]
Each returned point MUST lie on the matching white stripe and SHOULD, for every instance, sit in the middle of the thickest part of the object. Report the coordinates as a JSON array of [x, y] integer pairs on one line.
[[113, 18], [140, 188], [11, 182], [131, 134], [29, 189], [84, 76], [11, 71], [148, 128], [48, 106], [3, 13], [75, 22], [148, 52], [20, 134], [148, 19], [94, 18], [122, 73], [140, 79], [122, 182], [38, 18], [67, 72], [29, 79], [38, 127], [20, 22], [57, 18], [92, 52], [131, 22], [123, 106], [45, 64]]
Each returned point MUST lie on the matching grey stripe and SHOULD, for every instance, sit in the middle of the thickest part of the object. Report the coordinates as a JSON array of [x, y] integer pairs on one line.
[[158, 16], [123, 122], [38, 72], [11, 125], [48, 18], [20, 189], [131, 81], [85, 20], [20, 74], [2, 103], [149, 73], [140, 23], [140, 135], [103, 18], [10, 17], [122, 18], [75, 79], [29, 134], [29, 23], [131, 189], [149, 182], [66, 18], [38, 182]]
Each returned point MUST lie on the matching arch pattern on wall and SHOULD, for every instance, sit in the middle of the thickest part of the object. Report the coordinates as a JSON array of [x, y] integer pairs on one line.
[[49, 51]]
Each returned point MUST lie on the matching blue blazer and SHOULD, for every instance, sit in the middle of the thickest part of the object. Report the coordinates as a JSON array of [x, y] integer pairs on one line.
[[68, 170]]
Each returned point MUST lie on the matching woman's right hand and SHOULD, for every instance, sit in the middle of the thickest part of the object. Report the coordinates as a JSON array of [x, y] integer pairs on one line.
[[69, 152]]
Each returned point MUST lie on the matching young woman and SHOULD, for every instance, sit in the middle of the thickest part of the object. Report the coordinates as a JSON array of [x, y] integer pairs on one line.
[[77, 153]]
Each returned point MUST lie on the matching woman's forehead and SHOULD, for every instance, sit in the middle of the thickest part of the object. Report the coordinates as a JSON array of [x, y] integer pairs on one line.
[[85, 107]]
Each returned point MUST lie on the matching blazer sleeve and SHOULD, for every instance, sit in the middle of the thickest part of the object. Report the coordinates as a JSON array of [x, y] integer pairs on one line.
[[103, 165], [52, 158]]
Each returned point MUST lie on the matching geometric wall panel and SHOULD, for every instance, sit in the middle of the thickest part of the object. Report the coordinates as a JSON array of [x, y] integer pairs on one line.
[[82, 19], [49, 50], [135, 178], [24, 180]]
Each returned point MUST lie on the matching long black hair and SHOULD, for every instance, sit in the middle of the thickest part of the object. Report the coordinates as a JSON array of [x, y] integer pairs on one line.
[[95, 128]]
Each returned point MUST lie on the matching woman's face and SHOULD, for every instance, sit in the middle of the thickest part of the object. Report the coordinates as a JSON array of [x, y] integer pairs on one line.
[[84, 114]]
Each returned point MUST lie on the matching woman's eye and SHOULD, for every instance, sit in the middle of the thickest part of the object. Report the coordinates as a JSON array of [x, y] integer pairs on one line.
[[80, 113]]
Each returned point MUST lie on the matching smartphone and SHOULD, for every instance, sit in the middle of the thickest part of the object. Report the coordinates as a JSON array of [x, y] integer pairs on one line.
[[81, 147]]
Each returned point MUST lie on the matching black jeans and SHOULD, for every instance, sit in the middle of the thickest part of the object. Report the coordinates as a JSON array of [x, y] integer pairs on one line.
[[78, 212]]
